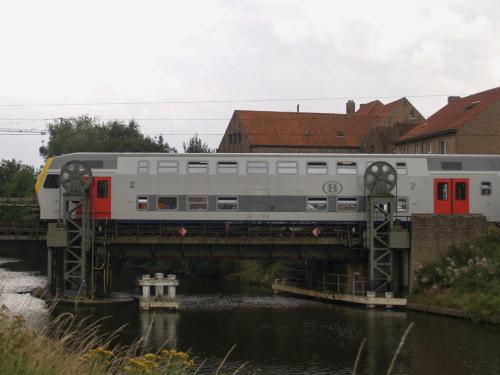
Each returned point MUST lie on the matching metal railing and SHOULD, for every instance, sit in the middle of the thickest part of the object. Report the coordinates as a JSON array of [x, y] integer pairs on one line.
[[117, 229], [354, 284]]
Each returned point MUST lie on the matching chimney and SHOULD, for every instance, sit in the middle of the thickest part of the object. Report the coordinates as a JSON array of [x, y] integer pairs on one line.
[[298, 108], [350, 107], [452, 99]]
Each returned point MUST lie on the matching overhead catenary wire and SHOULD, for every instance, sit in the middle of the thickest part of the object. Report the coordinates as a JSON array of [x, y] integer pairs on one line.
[[215, 101]]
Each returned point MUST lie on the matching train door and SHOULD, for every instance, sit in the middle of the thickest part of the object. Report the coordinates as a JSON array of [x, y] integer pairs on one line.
[[257, 204], [451, 196], [460, 202], [101, 197]]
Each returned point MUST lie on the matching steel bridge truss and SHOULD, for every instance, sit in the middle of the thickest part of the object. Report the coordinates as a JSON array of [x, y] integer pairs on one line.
[[379, 226]]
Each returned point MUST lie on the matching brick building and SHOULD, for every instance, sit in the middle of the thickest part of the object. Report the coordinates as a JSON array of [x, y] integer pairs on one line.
[[469, 125], [373, 128]]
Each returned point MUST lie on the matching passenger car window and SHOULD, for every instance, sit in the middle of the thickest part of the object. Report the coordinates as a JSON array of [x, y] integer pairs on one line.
[[347, 204], [317, 204], [257, 167], [401, 168], [402, 204], [143, 167], [287, 167], [347, 167], [197, 203], [317, 167], [227, 167], [168, 167], [227, 203], [167, 203], [142, 202], [485, 188], [197, 167]]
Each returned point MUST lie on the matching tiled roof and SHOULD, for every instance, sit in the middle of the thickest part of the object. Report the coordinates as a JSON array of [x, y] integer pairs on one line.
[[366, 108], [453, 115], [304, 129], [378, 109]]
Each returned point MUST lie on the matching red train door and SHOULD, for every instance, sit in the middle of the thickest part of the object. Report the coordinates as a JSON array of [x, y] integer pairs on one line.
[[442, 196], [451, 195], [101, 197], [460, 195]]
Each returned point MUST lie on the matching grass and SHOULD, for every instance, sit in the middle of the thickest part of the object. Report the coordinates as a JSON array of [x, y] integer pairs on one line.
[[468, 278], [67, 346]]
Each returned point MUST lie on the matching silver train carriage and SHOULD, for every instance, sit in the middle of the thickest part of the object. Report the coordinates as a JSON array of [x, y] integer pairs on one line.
[[270, 187]]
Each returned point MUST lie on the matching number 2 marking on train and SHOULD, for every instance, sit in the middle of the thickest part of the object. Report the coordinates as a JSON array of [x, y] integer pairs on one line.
[[131, 184]]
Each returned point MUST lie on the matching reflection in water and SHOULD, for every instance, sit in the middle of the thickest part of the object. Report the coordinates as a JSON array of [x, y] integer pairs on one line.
[[159, 328], [280, 335]]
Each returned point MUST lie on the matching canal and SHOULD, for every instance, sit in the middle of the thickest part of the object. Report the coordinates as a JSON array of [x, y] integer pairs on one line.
[[275, 334]]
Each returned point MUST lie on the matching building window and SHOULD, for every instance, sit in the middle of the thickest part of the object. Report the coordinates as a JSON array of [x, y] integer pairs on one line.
[[402, 204], [317, 204], [287, 167], [347, 204], [167, 203], [443, 147], [227, 203], [142, 202], [197, 203], [257, 167], [347, 167], [227, 167], [401, 167], [485, 188], [198, 167], [429, 148], [340, 134], [417, 149], [102, 189], [168, 167], [51, 181], [143, 167], [319, 167]]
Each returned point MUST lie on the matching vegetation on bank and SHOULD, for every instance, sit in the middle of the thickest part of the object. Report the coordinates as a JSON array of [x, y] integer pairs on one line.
[[66, 346], [468, 278], [17, 180]]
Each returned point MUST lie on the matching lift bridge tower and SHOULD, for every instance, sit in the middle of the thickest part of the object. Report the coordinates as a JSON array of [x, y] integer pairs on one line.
[[71, 242], [380, 182]]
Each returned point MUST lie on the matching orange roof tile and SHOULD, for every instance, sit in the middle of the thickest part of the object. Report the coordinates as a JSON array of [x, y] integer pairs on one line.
[[304, 129], [366, 108], [453, 115]]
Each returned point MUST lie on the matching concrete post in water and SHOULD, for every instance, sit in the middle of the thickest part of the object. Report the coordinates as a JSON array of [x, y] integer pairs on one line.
[[145, 287], [172, 287], [159, 287], [159, 300]]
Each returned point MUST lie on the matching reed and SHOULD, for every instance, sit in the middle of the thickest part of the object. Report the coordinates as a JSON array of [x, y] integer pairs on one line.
[[70, 345]]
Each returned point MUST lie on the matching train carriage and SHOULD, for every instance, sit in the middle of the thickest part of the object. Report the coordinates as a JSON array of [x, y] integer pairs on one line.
[[270, 187]]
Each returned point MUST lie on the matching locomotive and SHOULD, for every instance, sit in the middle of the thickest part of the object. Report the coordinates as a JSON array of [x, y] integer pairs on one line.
[[285, 188]]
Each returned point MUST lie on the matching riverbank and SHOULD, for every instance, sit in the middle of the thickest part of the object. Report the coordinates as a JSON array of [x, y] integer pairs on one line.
[[71, 346], [467, 280]]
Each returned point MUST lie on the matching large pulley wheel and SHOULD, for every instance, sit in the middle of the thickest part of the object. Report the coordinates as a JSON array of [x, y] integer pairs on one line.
[[76, 177], [380, 178]]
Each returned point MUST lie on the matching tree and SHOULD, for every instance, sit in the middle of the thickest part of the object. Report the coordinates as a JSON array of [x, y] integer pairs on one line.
[[196, 145], [86, 134], [16, 181]]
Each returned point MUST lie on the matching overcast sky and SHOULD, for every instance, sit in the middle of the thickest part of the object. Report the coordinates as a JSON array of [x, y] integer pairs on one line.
[[143, 51]]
